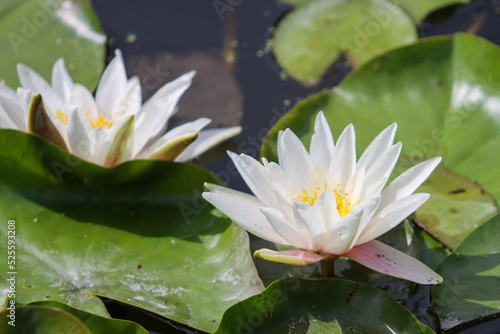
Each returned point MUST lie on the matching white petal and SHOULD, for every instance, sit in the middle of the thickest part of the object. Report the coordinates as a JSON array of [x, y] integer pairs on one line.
[[285, 229], [380, 169], [181, 130], [256, 178], [112, 86], [341, 234], [378, 146], [277, 174], [309, 223], [81, 136], [322, 145], [405, 184], [115, 145], [12, 115], [326, 206], [344, 158], [344, 234], [390, 216], [385, 259], [244, 210], [283, 199], [206, 140], [61, 80], [33, 81], [355, 185], [82, 99], [294, 257], [318, 180], [130, 102], [294, 160], [156, 112]]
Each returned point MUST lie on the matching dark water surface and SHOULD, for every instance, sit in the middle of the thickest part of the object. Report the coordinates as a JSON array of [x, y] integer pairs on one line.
[[238, 81]]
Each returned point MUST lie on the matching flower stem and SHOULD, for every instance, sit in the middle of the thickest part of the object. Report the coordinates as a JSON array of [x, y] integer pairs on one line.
[[327, 268]]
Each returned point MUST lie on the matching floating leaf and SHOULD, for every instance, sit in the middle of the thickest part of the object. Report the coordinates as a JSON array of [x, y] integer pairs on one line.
[[311, 37], [471, 287], [40, 320], [444, 93], [139, 233], [37, 33], [96, 324], [319, 306]]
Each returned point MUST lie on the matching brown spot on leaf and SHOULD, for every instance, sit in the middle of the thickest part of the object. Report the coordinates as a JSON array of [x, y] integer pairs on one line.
[[456, 191]]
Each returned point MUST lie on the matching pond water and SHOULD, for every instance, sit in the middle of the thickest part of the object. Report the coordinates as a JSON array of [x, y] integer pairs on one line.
[[238, 80]]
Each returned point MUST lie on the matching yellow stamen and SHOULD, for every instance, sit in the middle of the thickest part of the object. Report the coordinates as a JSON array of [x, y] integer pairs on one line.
[[344, 206], [100, 121], [60, 115]]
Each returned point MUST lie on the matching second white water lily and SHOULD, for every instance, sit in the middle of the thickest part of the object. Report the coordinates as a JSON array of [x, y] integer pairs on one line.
[[112, 127], [327, 204]]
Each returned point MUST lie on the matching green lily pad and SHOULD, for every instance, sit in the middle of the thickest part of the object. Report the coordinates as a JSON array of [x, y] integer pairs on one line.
[[471, 288], [420, 9], [41, 320], [319, 306], [311, 37], [54, 317], [37, 33], [455, 200], [139, 233], [94, 323], [444, 94]]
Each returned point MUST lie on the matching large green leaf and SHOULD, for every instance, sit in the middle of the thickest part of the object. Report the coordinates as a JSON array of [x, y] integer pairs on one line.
[[37, 33], [139, 233], [319, 306], [311, 37], [444, 93], [54, 317], [471, 288]]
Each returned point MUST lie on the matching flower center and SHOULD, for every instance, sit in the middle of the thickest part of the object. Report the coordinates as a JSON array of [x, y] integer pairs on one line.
[[60, 115], [344, 205], [100, 121]]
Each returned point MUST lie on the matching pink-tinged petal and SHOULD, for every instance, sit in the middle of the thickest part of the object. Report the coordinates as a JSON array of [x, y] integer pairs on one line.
[[385, 259], [405, 184], [294, 257], [378, 146], [343, 163], [391, 216], [322, 144], [294, 160], [244, 210], [207, 140], [286, 229], [256, 177]]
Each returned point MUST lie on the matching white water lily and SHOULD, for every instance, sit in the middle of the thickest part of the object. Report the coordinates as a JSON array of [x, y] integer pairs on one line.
[[114, 126], [326, 204]]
